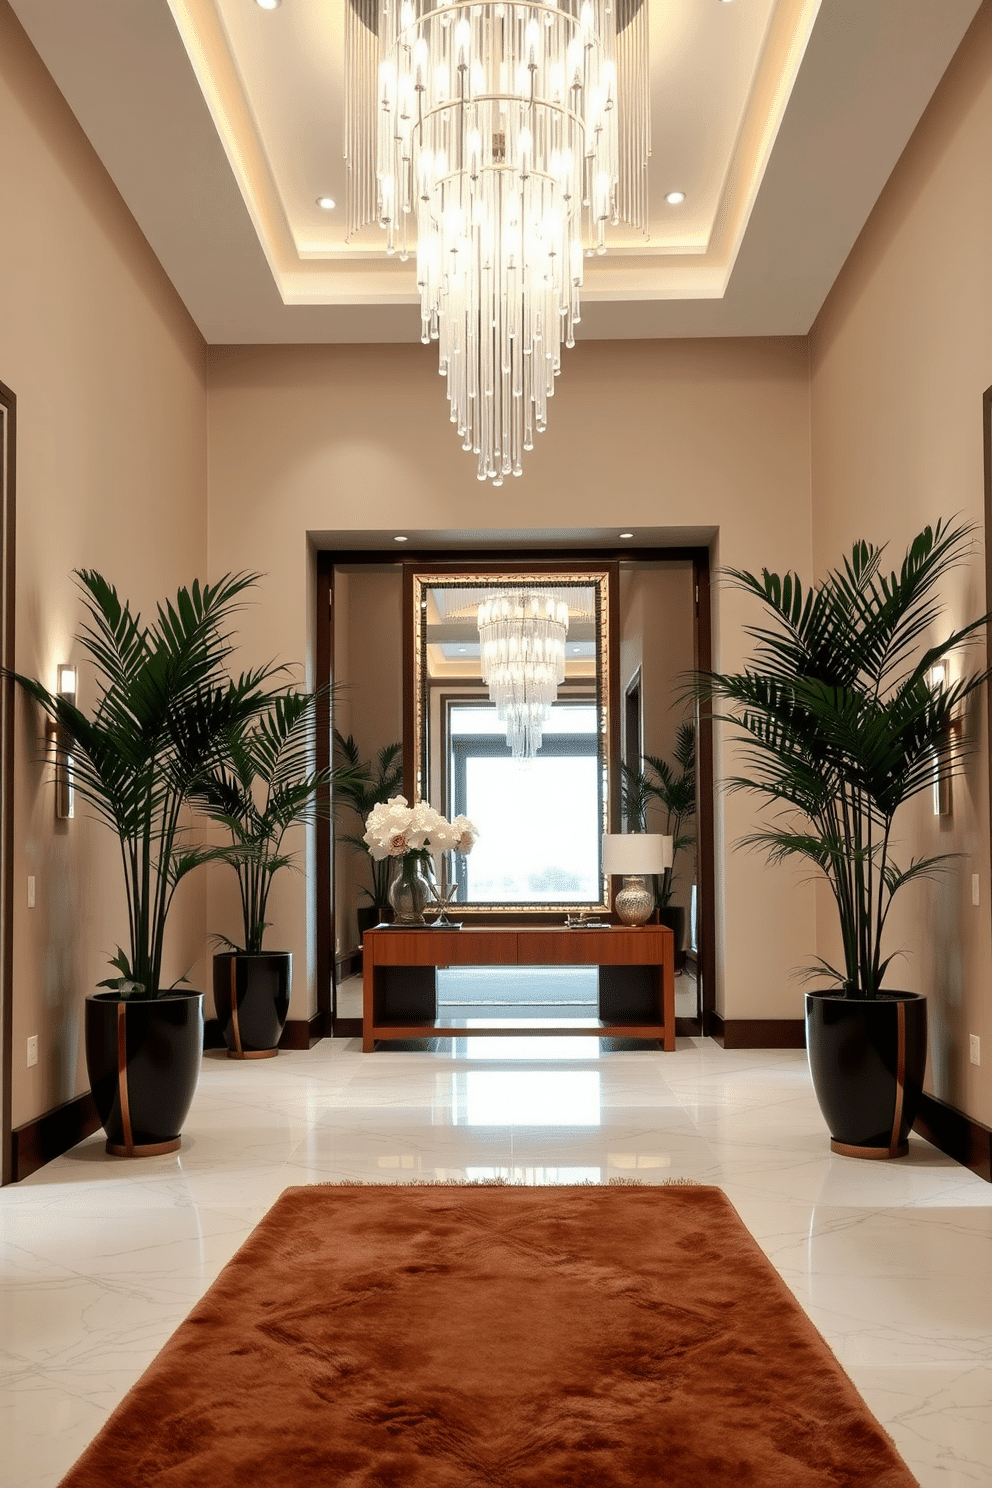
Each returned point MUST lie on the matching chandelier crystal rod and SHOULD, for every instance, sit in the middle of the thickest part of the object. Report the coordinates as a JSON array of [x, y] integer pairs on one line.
[[491, 128]]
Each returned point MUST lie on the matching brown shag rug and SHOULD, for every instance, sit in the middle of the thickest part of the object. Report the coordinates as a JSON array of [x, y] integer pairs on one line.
[[495, 1337]]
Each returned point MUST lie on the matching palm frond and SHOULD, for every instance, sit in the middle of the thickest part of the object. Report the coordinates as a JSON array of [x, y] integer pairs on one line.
[[164, 701], [838, 724], [265, 783]]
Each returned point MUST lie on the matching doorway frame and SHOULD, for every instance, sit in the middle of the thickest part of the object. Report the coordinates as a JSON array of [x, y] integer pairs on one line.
[[327, 1023]]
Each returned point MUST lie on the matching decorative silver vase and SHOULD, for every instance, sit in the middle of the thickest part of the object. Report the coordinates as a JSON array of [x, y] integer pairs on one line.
[[635, 901], [409, 892]]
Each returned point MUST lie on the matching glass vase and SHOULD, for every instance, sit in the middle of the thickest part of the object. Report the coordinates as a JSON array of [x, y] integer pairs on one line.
[[409, 892]]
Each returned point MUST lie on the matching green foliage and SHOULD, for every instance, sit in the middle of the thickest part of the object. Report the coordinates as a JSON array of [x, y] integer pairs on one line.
[[670, 787], [264, 785], [842, 726], [165, 704], [371, 783]]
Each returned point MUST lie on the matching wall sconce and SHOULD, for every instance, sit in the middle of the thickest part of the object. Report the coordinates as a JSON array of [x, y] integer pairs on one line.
[[65, 795], [937, 681]]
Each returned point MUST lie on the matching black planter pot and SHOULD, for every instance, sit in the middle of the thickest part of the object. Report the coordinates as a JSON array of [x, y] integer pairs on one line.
[[867, 1059], [673, 915], [370, 915], [143, 1060], [251, 995]]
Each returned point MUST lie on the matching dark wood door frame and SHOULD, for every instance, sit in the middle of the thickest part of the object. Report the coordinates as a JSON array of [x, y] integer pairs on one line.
[[324, 677], [987, 444], [517, 558], [8, 457]]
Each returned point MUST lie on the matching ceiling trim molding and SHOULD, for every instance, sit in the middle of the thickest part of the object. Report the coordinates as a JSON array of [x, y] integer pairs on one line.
[[666, 268]]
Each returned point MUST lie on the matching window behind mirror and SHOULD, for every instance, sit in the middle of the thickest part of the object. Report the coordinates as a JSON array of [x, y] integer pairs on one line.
[[539, 819]]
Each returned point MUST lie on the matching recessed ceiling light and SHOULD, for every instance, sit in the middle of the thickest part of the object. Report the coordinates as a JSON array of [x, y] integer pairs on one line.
[[675, 198], [326, 203], [626, 534], [268, 4], [401, 539]]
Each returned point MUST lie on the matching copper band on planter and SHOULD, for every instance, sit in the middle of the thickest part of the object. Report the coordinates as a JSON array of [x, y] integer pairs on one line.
[[148, 1149], [900, 1077], [881, 1154], [128, 1149], [238, 1051]]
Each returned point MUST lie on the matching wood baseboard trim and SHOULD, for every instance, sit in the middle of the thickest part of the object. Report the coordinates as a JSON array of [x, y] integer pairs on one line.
[[961, 1137], [348, 965], [37, 1142], [303, 1033], [347, 1027], [758, 1033]]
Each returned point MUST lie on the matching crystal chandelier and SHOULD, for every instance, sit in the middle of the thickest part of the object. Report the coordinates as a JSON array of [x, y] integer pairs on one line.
[[522, 635], [512, 133]]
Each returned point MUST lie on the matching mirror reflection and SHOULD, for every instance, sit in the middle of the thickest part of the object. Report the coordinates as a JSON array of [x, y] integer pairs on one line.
[[511, 702]]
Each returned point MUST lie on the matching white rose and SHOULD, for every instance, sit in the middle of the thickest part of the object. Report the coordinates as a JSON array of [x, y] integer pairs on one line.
[[422, 819], [443, 836], [466, 834], [384, 824]]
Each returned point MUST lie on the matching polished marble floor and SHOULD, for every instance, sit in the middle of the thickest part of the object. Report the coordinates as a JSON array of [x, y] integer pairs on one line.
[[101, 1258]]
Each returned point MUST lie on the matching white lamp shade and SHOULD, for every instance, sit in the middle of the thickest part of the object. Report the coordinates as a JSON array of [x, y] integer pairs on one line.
[[636, 852]]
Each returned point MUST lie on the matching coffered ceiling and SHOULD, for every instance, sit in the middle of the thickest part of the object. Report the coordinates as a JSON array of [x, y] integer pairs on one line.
[[222, 124]]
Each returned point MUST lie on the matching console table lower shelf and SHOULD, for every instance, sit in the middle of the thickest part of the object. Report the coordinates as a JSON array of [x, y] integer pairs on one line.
[[636, 979]]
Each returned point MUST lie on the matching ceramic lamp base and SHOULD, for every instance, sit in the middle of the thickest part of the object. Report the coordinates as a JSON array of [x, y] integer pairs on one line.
[[635, 902]]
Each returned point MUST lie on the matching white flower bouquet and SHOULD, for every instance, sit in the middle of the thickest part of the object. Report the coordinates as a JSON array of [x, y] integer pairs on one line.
[[395, 828], [412, 835]]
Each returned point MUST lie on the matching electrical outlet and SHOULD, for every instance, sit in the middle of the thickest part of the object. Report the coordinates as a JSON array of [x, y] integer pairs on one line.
[[975, 1048], [975, 889], [32, 1050], [30, 891]]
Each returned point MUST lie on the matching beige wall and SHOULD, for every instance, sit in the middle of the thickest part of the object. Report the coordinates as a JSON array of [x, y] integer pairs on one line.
[[109, 374], [343, 439], [900, 356]]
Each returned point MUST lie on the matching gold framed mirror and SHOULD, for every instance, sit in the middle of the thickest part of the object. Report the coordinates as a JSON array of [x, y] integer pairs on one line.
[[531, 760]]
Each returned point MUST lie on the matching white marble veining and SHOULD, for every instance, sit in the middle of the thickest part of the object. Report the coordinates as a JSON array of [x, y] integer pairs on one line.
[[102, 1258]]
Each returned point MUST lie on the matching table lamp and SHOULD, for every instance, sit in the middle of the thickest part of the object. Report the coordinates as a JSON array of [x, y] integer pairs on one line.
[[634, 854]]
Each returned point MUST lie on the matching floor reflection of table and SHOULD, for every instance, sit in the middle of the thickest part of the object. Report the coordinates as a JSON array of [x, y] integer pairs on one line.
[[636, 979]]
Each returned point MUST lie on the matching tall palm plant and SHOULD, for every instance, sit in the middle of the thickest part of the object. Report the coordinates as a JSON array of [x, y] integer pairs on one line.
[[670, 786], [165, 705], [266, 784], [370, 783], [843, 724], [673, 787]]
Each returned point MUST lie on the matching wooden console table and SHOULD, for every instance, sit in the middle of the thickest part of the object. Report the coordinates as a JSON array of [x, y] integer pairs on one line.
[[636, 979]]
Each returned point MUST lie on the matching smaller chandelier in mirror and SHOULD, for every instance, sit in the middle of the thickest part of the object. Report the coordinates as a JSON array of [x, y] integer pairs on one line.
[[522, 638]]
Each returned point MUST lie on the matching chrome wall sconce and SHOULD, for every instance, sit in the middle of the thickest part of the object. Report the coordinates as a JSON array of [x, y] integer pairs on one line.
[[65, 795]]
